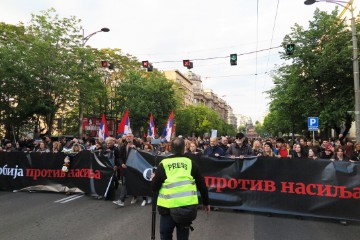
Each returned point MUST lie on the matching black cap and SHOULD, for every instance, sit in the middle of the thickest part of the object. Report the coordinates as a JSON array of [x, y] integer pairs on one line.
[[239, 135]]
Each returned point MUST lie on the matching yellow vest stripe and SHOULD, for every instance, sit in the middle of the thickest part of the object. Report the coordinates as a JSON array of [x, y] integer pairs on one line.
[[177, 195], [177, 184]]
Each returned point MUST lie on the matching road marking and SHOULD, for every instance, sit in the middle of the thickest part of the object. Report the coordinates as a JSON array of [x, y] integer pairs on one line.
[[70, 198]]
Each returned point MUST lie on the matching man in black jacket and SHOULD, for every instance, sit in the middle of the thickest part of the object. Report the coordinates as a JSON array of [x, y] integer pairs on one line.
[[113, 154], [167, 223], [129, 145]]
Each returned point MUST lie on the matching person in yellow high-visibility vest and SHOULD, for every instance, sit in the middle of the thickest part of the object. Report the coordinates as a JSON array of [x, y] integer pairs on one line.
[[177, 179]]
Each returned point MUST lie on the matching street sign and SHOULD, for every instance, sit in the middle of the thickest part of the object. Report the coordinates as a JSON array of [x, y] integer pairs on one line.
[[313, 123]]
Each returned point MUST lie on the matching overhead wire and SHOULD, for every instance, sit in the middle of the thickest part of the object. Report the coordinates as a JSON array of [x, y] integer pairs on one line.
[[257, 44], [212, 58], [272, 37]]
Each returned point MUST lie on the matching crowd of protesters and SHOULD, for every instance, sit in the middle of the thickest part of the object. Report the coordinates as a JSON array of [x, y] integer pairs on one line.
[[240, 146]]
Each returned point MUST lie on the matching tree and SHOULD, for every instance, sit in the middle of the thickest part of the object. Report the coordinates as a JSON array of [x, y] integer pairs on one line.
[[199, 120], [318, 80], [143, 93]]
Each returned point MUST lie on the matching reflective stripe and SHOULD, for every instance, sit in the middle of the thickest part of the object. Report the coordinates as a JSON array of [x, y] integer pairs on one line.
[[177, 184], [177, 195]]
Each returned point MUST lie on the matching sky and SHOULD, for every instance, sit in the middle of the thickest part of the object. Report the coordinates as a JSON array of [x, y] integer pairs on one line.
[[169, 30]]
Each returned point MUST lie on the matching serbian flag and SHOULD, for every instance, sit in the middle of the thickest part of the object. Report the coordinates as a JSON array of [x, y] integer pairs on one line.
[[124, 125], [152, 129], [169, 129], [103, 130]]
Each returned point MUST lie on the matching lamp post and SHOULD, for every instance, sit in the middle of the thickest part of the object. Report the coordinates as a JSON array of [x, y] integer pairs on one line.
[[350, 7], [13, 103], [81, 108]]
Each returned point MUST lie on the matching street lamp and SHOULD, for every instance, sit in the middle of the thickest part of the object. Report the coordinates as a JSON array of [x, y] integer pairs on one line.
[[350, 7], [81, 109]]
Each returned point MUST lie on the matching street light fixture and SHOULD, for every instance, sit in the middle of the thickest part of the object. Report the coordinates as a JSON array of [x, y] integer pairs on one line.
[[81, 109], [350, 7]]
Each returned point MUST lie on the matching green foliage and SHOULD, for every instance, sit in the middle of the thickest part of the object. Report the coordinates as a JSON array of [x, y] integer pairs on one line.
[[199, 120], [144, 93], [319, 80]]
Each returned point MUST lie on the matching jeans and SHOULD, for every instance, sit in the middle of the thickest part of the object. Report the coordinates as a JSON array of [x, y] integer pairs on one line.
[[167, 226]]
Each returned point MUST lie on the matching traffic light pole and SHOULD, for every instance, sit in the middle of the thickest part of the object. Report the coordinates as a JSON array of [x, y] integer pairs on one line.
[[356, 74]]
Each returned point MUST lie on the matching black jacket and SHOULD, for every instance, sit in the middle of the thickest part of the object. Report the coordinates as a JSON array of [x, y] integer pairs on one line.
[[160, 177]]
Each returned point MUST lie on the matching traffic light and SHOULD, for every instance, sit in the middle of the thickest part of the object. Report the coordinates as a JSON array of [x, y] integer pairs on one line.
[[290, 49], [150, 68], [145, 64], [233, 59], [188, 64], [111, 66], [104, 63]]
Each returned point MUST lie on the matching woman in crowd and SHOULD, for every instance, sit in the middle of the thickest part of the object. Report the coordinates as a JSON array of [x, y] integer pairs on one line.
[[56, 147], [43, 148], [299, 151], [148, 147], [339, 154], [267, 150], [76, 148], [257, 149], [312, 153], [193, 154]]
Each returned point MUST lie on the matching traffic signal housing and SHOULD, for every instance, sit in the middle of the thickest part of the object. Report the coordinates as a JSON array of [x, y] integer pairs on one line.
[[290, 48], [104, 63], [188, 64], [233, 59], [147, 65]]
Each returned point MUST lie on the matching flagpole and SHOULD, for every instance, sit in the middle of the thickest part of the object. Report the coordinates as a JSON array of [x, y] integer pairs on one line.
[[154, 200]]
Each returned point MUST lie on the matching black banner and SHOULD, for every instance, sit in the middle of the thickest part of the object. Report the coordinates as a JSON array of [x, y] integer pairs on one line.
[[302, 187], [88, 172]]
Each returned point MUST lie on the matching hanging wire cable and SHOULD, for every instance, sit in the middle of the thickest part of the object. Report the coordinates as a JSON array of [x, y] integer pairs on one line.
[[257, 45], [272, 37], [211, 58]]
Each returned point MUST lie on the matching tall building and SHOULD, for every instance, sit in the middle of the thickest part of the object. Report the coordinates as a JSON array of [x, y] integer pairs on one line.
[[195, 94], [185, 84]]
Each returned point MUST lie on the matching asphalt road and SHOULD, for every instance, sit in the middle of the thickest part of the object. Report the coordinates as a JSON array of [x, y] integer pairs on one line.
[[46, 216]]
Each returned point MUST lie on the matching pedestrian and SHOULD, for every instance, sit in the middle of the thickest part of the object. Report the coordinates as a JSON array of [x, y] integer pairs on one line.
[[129, 145], [355, 157], [214, 150], [177, 201], [239, 148]]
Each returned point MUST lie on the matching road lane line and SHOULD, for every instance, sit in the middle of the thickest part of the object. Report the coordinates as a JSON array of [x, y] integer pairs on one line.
[[70, 198]]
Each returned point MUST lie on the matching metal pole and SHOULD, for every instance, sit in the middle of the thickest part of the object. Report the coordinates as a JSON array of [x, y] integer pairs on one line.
[[81, 107], [356, 74], [81, 111], [313, 138]]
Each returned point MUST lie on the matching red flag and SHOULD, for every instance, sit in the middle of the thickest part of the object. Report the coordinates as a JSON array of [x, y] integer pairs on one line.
[[124, 125], [103, 130], [152, 130]]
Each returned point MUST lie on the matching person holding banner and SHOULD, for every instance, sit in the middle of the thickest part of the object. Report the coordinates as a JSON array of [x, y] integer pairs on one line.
[[214, 150], [177, 180], [239, 149]]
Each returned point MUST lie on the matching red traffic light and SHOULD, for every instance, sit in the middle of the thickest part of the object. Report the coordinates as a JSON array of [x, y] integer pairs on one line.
[[145, 64], [104, 63], [186, 63]]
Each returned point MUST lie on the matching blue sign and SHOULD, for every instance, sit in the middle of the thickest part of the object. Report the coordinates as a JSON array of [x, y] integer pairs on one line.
[[313, 123]]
